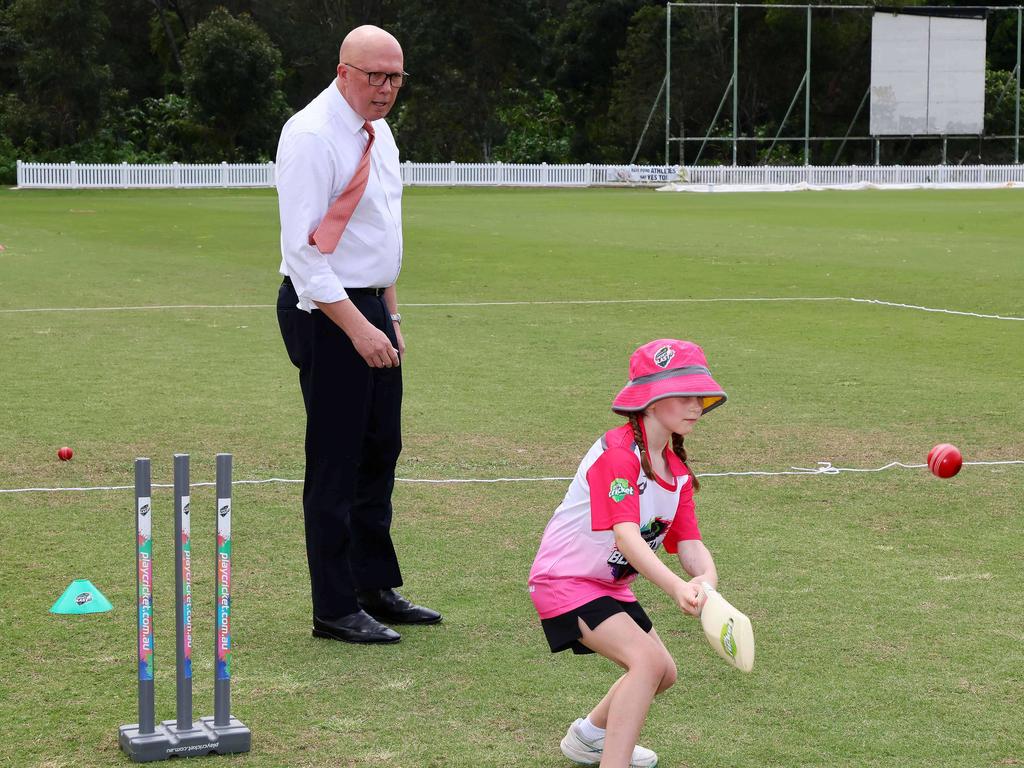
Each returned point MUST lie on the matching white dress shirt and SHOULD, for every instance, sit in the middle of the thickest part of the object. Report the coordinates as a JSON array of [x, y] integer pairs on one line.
[[317, 155]]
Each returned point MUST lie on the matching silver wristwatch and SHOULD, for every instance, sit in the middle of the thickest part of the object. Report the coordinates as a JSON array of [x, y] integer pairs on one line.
[[396, 317]]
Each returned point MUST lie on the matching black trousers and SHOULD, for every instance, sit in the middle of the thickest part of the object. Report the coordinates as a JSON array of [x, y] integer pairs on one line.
[[353, 439]]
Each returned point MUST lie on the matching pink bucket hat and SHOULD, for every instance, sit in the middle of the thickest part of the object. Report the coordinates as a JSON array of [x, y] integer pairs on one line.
[[667, 368]]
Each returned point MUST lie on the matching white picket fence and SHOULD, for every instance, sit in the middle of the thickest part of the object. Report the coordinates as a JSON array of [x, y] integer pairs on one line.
[[127, 176], [182, 175], [534, 174], [175, 175], [836, 175]]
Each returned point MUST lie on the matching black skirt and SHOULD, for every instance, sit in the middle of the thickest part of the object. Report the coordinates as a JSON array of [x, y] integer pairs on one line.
[[563, 631]]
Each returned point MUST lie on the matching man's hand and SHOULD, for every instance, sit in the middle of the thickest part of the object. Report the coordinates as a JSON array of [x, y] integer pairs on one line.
[[370, 342], [375, 347]]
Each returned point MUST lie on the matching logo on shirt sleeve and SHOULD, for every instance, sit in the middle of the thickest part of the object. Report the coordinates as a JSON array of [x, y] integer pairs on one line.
[[619, 489]]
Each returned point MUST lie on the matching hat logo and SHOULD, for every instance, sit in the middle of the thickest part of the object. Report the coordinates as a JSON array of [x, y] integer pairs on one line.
[[664, 356]]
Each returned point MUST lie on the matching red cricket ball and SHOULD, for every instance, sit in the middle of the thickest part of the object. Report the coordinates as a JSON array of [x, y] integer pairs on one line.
[[945, 460], [65, 454]]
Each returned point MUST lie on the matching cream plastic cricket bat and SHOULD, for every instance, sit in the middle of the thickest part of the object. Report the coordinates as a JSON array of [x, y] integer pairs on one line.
[[727, 629]]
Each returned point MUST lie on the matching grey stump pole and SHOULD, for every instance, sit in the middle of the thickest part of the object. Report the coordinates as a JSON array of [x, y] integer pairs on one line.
[[183, 586], [222, 596], [228, 733], [144, 591], [146, 740]]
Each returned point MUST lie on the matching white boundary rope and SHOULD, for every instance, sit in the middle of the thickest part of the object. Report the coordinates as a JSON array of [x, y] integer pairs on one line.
[[576, 302], [932, 309], [822, 468]]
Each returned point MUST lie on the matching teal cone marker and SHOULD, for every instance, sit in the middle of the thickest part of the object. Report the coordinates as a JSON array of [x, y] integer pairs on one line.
[[81, 597]]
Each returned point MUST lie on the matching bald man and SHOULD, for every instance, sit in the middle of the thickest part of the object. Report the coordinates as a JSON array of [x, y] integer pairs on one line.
[[338, 312]]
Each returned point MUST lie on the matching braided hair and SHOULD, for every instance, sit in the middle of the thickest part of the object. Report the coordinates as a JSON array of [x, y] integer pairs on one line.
[[645, 460], [680, 451], [638, 437]]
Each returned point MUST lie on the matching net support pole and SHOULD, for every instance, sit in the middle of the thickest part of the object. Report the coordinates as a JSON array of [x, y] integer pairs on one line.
[[849, 128], [714, 121], [807, 95], [735, 78], [643, 133], [1016, 120], [782, 125], [668, 77]]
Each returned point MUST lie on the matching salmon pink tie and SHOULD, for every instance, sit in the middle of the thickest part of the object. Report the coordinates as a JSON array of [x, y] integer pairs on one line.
[[326, 236]]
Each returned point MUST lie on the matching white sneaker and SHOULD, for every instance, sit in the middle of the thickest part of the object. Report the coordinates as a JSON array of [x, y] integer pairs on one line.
[[585, 752]]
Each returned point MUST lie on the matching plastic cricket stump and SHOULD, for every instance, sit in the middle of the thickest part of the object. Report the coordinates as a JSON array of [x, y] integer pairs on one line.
[[147, 740]]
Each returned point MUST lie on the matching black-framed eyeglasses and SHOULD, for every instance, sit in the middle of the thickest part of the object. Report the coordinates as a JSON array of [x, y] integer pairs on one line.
[[376, 79]]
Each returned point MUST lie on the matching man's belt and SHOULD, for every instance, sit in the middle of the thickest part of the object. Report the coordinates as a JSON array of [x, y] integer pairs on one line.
[[350, 291]]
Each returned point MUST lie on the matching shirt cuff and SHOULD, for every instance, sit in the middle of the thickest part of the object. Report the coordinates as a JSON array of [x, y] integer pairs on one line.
[[325, 288]]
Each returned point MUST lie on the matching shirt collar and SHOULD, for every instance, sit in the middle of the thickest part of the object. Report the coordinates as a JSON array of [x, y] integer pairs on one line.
[[349, 117], [675, 464]]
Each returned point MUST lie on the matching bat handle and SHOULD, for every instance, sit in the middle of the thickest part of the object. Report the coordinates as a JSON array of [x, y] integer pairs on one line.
[[707, 589]]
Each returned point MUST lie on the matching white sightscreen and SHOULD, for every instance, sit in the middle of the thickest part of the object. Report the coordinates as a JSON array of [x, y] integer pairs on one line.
[[927, 75]]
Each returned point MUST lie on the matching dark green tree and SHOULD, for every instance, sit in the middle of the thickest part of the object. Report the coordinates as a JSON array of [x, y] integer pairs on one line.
[[166, 130], [637, 81], [524, 80], [233, 79], [12, 47], [587, 47], [62, 80], [128, 50], [309, 33], [536, 131], [467, 60]]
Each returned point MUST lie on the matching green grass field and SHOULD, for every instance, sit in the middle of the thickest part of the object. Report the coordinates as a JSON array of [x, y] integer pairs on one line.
[[887, 606]]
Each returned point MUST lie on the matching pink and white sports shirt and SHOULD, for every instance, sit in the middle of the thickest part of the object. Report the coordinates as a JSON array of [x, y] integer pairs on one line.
[[578, 561]]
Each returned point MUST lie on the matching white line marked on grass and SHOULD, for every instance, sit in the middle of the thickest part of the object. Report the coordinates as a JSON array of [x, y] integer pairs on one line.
[[135, 309], [547, 302], [544, 302], [451, 304], [823, 468], [154, 485]]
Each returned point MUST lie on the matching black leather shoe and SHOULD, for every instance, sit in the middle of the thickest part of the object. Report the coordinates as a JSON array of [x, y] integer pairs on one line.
[[388, 606], [356, 627]]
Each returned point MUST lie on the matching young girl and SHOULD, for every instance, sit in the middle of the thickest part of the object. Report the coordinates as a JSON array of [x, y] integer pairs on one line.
[[631, 493]]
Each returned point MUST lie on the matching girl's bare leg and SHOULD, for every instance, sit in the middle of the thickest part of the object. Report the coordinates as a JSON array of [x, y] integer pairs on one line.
[[599, 714], [649, 670]]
